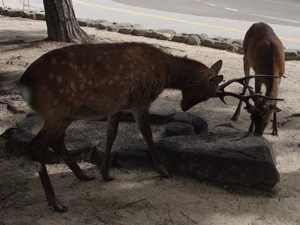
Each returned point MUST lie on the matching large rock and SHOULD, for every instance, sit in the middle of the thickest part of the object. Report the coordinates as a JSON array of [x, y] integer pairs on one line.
[[242, 159]]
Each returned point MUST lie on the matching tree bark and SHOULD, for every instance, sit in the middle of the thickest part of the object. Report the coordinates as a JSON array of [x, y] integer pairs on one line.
[[62, 24]]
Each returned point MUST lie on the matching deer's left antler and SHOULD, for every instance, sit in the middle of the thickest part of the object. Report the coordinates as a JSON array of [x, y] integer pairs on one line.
[[222, 93]]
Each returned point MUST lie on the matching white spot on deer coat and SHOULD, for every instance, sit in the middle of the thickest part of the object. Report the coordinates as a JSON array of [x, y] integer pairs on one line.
[[51, 76], [129, 76], [72, 85], [111, 82], [103, 81], [82, 86], [91, 67], [59, 78]]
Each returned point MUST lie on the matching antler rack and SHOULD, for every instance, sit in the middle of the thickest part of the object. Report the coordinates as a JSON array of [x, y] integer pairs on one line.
[[222, 93]]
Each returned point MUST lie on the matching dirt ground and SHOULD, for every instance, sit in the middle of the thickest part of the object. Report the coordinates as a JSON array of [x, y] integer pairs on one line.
[[139, 195]]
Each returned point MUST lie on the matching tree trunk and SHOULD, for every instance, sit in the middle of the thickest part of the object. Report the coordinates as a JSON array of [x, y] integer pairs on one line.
[[62, 24]]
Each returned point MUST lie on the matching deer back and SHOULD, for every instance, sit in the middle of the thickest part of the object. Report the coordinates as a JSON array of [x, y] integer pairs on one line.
[[264, 52], [103, 78]]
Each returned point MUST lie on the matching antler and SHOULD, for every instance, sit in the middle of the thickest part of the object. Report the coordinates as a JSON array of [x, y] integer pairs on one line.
[[241, 81], [221, 93]]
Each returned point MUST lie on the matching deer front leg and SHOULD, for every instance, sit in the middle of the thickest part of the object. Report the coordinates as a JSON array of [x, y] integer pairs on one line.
[[247, 73], [112, 129], [142, 119], [38, 147]]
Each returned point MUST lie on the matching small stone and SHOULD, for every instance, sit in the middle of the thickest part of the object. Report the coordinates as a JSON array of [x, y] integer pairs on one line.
[[178, 128], [193, 40], [291, 54]]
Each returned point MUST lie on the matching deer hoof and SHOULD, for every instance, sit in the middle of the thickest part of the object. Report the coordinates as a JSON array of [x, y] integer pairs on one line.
[[92, 177], [62, 209], [234, 118], [88, 177], [107, 177], [169, 175]]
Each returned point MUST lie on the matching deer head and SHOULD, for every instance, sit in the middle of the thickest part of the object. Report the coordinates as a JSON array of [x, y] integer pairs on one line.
[[262, 115], [197, 91]]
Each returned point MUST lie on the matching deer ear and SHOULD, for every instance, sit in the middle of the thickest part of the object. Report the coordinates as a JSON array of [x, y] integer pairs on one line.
[[216, 80], [274, 109], [217, 67]]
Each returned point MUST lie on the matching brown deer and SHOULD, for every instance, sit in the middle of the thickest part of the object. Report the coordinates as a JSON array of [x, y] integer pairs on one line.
[[88, 82], [264, 52]]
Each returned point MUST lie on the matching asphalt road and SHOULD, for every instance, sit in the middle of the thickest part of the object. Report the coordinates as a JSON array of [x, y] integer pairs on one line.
[[282, 12], [230, 18]]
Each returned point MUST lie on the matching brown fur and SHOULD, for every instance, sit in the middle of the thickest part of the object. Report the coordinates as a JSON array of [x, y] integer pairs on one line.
[[95, 81], [264, 52]]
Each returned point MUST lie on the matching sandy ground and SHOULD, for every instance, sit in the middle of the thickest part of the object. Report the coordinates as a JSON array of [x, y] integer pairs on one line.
[[139, 195]]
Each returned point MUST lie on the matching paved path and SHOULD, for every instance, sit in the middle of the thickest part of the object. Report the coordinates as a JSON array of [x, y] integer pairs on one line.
[[156, 19]]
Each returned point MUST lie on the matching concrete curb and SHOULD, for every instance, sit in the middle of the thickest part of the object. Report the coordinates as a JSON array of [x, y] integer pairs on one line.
[[217, 42]]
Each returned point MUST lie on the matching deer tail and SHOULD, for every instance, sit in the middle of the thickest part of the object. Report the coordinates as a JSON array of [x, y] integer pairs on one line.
[[25, 92]]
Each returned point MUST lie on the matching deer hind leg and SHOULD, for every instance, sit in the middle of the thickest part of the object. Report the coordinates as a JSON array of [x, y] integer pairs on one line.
[[275, 126], [142, 119], [38, 147], [247, 73], [60, 147], [112, 129], [251, 127]]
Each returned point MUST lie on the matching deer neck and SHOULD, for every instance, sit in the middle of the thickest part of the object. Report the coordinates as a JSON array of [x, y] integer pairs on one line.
[[182, 71]]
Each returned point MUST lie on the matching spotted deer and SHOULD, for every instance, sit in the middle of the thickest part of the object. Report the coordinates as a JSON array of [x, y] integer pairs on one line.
[[92, 81], [264, 52]]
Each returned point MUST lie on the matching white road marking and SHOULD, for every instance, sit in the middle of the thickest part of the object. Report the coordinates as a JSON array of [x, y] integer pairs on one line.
[[210, 4], [234, 10]]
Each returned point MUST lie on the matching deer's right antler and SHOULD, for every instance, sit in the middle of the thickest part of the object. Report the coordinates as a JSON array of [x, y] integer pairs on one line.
[[241, 81], [222, 93]]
